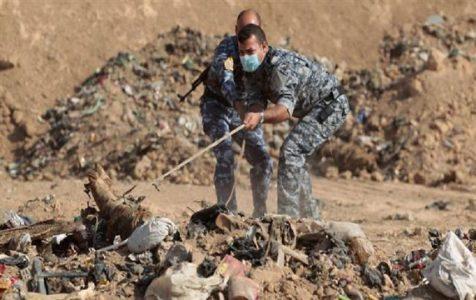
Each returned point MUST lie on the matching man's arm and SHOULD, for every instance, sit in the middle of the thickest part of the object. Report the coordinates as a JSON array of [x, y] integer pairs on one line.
[[222, 66], [275, 114], [283, 84]]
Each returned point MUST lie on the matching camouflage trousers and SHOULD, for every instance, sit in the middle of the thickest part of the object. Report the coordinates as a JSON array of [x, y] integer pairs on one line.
[[218, 120], [294, 182]]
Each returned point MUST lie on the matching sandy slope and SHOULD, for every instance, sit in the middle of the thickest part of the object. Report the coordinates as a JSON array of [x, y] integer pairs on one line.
[[56, 43]]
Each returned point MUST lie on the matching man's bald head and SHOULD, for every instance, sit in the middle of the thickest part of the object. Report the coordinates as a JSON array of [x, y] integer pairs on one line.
[[245, 17]]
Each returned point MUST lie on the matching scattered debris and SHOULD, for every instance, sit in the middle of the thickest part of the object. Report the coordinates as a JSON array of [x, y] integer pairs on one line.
[[150, 234], [440, 205], [5, 65], [453, 272], [182, 282]]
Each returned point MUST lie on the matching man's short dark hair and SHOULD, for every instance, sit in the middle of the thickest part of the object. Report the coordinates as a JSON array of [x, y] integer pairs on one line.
[[252, 30], [258, 17]]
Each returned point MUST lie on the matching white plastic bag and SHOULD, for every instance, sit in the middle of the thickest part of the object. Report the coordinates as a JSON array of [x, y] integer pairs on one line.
[[150, 234], [181, 282], [345, 230], [453, 272]]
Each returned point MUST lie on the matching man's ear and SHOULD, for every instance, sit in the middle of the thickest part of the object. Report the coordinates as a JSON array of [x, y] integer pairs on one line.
[[265, 46]]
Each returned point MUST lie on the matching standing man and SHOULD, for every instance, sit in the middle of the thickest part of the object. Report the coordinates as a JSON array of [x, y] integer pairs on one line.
[[300, 88], [222, 95]]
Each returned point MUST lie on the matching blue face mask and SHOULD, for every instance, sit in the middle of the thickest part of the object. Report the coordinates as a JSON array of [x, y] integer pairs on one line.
[[250, 63]]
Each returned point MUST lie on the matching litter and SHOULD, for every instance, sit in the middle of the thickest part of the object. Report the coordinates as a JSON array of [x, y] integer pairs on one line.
[[150, 234], [453, 272], [182, 282]]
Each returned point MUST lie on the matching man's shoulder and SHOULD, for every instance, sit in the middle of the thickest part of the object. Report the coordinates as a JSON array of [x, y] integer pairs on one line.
[[229, 42], [280, 56]]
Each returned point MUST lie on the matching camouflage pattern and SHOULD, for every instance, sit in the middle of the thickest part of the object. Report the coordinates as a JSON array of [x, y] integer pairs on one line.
[[303, 87], [294, 183], [289, 79], [221, 82], [218, 120], [219, 117]]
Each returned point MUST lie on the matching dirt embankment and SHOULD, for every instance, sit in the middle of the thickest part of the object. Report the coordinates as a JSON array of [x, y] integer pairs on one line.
[[55, 44]]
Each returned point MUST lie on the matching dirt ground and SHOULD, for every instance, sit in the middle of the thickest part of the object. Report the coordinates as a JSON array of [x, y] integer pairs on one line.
[[367, 203]]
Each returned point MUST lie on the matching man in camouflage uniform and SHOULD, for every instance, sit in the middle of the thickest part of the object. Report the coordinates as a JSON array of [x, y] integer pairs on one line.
[[300, 88], [219, 116]]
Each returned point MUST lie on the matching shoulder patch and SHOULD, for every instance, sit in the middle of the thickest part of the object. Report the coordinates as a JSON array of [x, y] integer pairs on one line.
[[228, 64]]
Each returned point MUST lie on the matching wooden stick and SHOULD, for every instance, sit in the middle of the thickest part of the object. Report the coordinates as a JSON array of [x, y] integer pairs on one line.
[[296, 255], [199, 153], [113, 247]]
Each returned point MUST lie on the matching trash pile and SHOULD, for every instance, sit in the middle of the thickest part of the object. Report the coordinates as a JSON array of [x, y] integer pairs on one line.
[[127, 115], [117, 248], [413, 114]]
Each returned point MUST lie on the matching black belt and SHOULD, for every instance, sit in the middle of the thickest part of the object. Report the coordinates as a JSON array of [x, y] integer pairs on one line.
[[329, 103]]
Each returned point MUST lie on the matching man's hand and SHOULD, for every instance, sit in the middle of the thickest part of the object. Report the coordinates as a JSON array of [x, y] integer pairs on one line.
[[252, 120]]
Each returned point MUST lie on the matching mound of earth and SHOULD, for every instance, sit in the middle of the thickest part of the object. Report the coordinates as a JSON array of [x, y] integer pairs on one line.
[[413, 114]]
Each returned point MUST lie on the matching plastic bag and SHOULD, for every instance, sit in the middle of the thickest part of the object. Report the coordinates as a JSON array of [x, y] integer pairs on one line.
[[150, 234], [181, 282], [453, 272]]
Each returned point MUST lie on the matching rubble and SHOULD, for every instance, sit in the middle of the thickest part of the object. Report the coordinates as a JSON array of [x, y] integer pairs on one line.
[[227, 257], [453, 272]]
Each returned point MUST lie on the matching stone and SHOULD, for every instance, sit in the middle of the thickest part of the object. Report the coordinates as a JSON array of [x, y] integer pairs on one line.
[[377, 176], [142, 166], [363, 249], [436, 60], [346, 175], [332, 172], [414, 88]]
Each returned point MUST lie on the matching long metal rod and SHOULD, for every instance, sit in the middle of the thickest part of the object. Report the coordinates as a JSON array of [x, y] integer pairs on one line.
[[199, 153]]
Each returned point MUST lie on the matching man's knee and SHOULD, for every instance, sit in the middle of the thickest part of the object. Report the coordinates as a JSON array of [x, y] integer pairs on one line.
[[289, 154]]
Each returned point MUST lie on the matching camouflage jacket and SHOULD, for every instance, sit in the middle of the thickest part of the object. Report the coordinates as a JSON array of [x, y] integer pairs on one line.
[[289, 79], [221, 82]]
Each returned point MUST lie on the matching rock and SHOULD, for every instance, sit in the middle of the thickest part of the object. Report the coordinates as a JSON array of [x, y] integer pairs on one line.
[[346, 175], [345, 230], [242, 288], [456, 176], [332, 172], [377, 176], [142, 167], [363, 250], [364, 174], [177, 253], [413, 88], [471, 205], [353, 293], [434, 20], [5, 65], [401, 217], [436, 60], [441, 126], [419, 178]]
